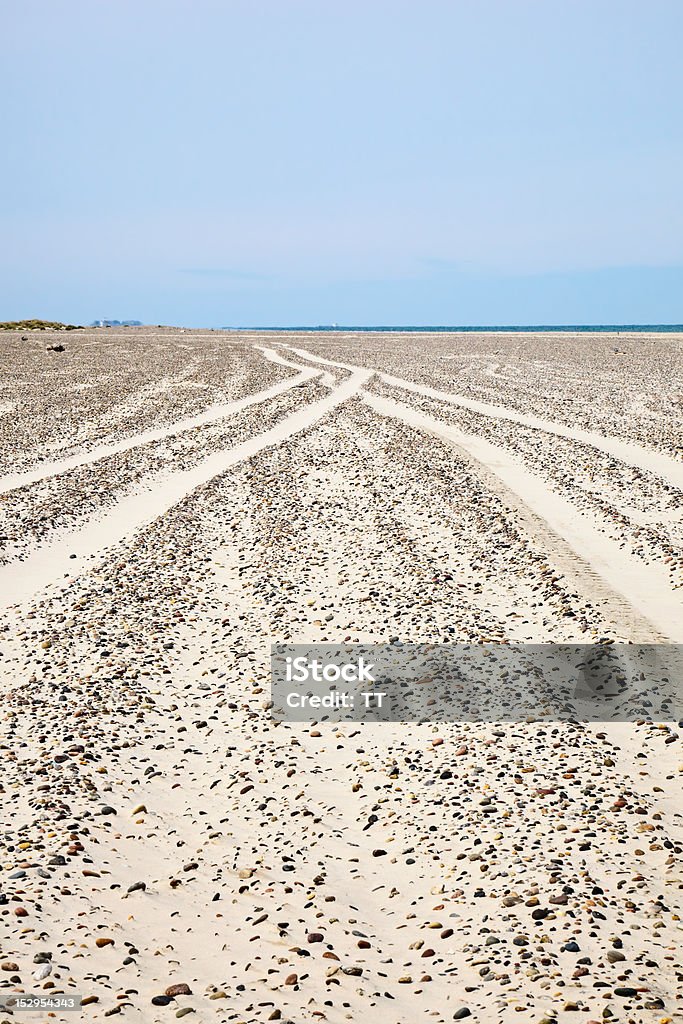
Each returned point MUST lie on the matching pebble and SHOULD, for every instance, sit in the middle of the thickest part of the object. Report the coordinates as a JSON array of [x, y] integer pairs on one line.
[[179, 989]]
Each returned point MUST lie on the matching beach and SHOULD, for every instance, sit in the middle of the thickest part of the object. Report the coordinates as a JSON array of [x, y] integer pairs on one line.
[[172, 503]]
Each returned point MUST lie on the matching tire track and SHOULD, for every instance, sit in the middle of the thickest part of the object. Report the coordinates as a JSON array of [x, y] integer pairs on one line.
[[632, 454], [75, 551], [12, 481], [644, 587]]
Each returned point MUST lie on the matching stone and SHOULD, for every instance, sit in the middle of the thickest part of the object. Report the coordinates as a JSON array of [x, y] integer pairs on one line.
[[179, 989]]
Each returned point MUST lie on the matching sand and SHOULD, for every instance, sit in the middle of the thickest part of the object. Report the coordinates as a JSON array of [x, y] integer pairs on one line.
[[224, 491]]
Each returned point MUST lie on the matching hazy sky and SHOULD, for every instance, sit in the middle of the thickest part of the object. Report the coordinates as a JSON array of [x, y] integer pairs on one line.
[[272, 162]]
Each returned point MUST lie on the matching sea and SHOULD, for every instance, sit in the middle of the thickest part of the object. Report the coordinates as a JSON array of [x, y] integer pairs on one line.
[[481, 328]]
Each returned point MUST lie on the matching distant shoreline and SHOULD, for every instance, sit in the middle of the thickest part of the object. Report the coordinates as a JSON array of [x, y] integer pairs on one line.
[[483, 329]]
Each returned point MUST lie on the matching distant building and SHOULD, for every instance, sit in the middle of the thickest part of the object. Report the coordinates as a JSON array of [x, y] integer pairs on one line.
[[117, 324]]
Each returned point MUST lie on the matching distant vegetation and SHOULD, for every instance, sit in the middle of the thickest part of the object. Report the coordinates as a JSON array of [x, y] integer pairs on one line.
[[37, 325]]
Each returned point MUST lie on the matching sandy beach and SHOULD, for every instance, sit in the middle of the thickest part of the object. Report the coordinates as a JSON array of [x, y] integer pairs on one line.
[[173, 502]]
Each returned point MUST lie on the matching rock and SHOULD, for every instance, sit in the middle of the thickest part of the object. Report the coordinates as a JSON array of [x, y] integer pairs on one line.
[[161, 1000], [315, 937], [102, 942], [463, 1012], [179, 989]]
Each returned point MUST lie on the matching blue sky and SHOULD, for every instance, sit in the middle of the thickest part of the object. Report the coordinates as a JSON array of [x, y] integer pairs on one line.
[[273, 162]]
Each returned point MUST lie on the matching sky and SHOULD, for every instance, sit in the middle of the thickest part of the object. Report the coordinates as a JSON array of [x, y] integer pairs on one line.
[[298, 162]]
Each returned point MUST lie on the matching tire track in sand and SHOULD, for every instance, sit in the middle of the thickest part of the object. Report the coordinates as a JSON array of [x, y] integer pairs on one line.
[[12, 481], [49, 563], [632, 454], [645, 588]]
